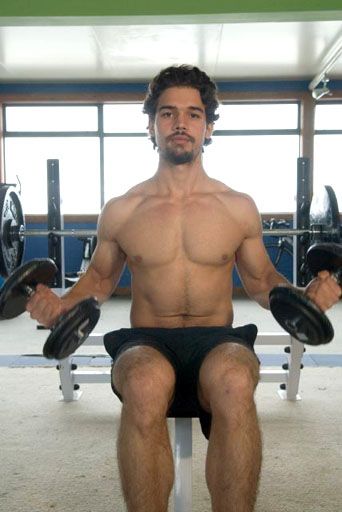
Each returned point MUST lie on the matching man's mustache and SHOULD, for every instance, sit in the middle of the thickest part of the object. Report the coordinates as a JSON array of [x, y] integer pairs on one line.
[[180, 134]]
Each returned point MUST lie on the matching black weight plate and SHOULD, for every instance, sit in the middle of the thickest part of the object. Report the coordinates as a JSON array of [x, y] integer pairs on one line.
[[300, 317], [325, 256], [11, 219], [13, 296], [324, 213], [72, 329]]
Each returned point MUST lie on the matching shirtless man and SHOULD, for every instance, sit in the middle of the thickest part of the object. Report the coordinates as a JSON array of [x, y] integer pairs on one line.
[[181, 233]]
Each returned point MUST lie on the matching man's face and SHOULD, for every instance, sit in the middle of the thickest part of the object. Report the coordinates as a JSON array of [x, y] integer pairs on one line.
[[180, 125]]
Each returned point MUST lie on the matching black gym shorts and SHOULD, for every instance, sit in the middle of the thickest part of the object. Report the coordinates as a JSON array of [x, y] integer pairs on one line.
[[185, 348]]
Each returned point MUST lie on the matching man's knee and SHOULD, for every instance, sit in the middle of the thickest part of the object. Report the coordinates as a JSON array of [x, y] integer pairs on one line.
[[228, 378], [145, 380]]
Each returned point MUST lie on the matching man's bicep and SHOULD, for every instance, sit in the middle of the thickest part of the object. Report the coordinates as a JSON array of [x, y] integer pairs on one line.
[[252, 260], [257, 272], [108, 259]]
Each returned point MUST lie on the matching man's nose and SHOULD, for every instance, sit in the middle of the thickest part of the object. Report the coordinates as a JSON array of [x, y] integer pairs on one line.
[[180, 121]]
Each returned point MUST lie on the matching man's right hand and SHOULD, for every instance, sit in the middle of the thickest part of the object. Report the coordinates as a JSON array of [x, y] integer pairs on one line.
[[45, 306]]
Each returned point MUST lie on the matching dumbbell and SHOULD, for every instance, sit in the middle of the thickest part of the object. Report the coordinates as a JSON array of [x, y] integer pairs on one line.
[[71, 328], [295, 312]]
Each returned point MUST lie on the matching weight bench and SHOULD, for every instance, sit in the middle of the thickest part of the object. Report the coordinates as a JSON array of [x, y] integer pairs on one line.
[[288, 376]]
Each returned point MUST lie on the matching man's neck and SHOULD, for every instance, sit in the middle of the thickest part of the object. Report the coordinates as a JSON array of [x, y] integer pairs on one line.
[[181, 180]]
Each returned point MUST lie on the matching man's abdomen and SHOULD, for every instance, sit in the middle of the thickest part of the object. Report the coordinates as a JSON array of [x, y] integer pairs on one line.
[[201, 297]]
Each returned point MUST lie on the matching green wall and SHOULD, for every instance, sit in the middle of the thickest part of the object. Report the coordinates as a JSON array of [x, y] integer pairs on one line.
[[39, 8]]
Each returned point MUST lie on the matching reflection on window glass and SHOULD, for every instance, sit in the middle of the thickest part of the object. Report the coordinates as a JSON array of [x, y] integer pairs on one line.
[[328, 117], [124, 118], [128, 161], [265, 167], [328, 164], [51, 118], [78, 168], [258, 117]]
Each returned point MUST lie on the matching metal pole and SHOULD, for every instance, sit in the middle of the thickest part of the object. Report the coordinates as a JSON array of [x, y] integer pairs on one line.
[[58, 232], [302, 220], [55, 222], [183, 465], [285, 232]]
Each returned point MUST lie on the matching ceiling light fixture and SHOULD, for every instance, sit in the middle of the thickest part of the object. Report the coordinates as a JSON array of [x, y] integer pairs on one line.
[[319, 92], [332, 56]]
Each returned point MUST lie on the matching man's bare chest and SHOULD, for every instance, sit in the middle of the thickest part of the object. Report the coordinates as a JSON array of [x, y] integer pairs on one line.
[[197, 233]]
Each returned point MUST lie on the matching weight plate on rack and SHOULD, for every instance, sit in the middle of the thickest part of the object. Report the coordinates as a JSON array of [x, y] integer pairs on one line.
[[11, 221], [325, 216]]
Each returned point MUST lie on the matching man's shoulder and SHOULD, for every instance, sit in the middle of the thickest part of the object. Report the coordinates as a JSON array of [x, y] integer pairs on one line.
[[241, 207], [230, 195], [134, 194], [120, 207]]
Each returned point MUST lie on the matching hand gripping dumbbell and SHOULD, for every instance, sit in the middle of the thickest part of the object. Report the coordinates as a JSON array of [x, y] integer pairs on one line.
[[295, 312], [71, 328]]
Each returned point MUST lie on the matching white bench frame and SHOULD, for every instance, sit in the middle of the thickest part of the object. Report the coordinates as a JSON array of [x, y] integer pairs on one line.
[[290, 376]]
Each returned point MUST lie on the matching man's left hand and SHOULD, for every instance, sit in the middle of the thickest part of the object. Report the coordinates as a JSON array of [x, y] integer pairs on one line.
[[324, 290]]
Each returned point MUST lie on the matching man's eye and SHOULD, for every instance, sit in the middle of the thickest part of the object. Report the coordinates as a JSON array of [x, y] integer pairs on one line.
[[166, 114]]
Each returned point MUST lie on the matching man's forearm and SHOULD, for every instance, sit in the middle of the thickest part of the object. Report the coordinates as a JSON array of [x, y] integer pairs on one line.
[[89, 285], [261, 293]]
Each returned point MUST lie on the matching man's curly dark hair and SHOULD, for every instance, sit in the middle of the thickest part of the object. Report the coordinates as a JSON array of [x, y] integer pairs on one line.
[[183, 76]]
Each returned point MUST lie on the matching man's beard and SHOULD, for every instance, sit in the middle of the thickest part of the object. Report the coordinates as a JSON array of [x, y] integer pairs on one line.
[[175, 158]]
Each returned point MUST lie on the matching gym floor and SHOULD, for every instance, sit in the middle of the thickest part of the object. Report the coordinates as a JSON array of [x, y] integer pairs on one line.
[[61, 456]]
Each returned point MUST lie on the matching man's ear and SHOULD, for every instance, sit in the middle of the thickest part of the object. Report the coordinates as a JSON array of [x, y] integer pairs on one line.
[[209, 130], [150, 127]]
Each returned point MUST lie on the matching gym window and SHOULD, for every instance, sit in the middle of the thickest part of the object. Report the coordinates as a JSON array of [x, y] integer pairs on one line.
[[327, 147], [255, 150], [104, 151], [51, 118], [70, 133], [128, 155]]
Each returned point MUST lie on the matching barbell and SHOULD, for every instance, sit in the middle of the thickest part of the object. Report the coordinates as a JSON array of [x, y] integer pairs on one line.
[[324, 226]]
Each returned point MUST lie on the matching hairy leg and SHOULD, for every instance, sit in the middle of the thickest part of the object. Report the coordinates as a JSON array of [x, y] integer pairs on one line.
[[227, 382], [146, 380]]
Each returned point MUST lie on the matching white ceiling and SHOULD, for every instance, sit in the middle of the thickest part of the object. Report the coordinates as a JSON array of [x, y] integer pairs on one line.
[[124, 53]]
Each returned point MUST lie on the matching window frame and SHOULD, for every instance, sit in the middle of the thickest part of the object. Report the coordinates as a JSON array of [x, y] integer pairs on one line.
[[231, 95]]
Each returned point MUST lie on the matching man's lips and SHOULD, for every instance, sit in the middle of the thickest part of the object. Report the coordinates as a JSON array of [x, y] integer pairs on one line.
[[180, 138]]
